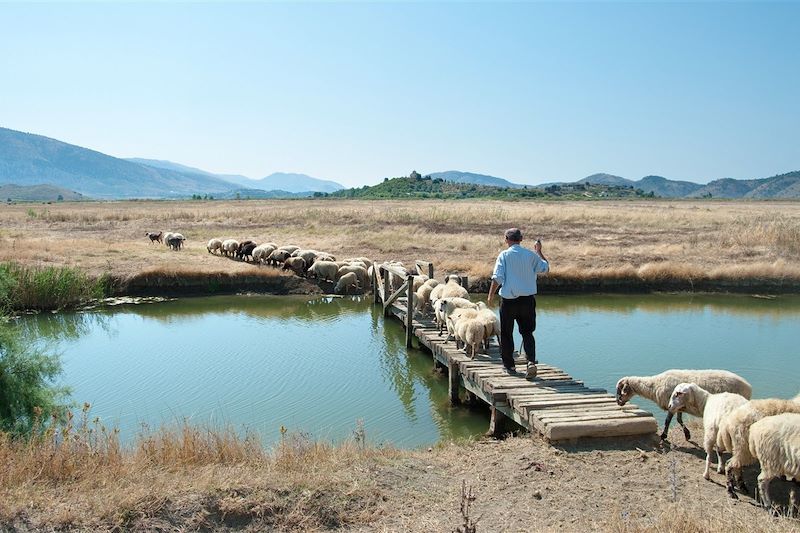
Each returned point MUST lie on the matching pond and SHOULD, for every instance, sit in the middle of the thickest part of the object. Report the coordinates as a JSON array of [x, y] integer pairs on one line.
[[324, 366]]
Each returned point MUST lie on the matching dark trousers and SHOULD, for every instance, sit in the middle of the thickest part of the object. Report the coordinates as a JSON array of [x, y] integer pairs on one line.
[[523, 311]]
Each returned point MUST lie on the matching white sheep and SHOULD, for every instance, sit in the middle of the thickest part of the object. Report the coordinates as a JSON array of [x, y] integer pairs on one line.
[[214, 245], [278, 256], [453, 289], [775, 442], [424, 294], [230, 246], [693, 399], [472, 332], [291, 248], [734, 432], [262, 252], [324, 270], [491, 324], [347, 281], [360, 272], [454, 319], [658, 388], [447, 306]]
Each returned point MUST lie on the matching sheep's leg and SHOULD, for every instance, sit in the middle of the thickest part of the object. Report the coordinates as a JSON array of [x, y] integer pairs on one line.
[[706, 473], [667, 422], [729, 475], [794, 501], [720, 463], [685, 429]]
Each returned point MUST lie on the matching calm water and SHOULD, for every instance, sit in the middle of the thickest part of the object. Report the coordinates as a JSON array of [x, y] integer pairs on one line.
[[316, 366]]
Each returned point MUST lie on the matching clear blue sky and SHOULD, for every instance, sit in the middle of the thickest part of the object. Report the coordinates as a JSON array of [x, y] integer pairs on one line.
[[358, 92]]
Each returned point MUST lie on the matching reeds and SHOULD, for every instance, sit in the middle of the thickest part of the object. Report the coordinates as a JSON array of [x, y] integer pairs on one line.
[[25, 287]]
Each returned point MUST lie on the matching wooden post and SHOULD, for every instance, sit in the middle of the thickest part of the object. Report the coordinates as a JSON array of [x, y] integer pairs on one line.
[[376, 295], [410, 311], [386, 292], [430, 270], [464, 282], [453, 374], [495, 422]]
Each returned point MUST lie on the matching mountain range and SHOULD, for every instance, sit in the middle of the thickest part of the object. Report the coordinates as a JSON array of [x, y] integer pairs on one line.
[[28, 160]]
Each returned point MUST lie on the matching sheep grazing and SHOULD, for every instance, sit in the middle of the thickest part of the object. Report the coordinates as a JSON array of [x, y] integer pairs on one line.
[[348, 281], [693, 399], [155, 236], [296, 265], [734, 432], [214, 245], [291, 248], [658, 388], [775, 442], [175, 241], [229, 247]]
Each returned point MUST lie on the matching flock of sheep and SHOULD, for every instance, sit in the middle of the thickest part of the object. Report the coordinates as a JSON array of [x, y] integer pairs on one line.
[[765, 431]]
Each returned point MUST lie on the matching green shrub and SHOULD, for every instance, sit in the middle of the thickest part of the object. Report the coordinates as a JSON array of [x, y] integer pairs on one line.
[[48, 288]]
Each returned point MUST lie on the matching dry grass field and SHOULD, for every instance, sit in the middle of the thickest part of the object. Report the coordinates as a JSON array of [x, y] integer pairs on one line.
[[732, 243]]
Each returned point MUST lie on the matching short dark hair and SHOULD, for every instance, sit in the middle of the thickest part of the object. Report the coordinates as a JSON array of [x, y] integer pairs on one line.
[[514, 235]]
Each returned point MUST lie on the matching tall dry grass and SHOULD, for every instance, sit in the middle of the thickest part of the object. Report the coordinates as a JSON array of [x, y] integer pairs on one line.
[[77, 475], [649, 240]]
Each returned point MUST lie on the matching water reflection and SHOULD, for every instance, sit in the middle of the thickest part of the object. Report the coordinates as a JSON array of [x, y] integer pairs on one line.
[[318, 364]]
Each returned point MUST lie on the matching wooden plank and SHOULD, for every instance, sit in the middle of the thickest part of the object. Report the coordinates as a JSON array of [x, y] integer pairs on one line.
[[541, 423], [607, 428]]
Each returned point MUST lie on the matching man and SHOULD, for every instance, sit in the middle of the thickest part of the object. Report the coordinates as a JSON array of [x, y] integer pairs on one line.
[[515, 274]]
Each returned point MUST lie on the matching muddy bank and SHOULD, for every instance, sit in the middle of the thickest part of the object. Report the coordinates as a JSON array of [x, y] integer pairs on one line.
[[209, 283]]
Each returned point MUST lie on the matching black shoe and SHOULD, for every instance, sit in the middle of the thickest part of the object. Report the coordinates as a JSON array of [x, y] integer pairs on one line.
[[510, 370]]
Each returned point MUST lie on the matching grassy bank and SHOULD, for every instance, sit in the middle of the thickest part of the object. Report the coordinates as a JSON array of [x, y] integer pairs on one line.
[[190, 478], [47, 288]]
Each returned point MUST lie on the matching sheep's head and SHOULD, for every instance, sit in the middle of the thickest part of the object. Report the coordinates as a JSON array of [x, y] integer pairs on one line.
[[681, 396], [624, 391]]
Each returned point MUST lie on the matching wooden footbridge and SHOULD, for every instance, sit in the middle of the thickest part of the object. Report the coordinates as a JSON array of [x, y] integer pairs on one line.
[[553, 404]]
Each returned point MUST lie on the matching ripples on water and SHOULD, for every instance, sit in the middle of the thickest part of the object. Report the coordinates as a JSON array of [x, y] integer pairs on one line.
[[316, 366]]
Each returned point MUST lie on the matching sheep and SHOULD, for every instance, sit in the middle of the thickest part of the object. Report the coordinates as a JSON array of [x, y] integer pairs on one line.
[[277, 256], [323, 256], [324, 270], [424, 294], [447, 306], [695, 400], [658, 388], [155, 236], [214, 245], [229, 246], [491, 324], [734, 433], [167, 235], [309, 256], [472, 333], [345, 282], [246, 250], [453, 289], [419, 280], [296, 265], [360, 272], [291, 248], [175, 241], [455, 318], [261, 252], [775, 442]]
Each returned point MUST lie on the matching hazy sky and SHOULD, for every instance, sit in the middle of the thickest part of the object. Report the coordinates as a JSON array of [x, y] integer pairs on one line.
[[358, 92]]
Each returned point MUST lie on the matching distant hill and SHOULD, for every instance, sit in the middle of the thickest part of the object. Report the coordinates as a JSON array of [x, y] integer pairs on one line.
[[294, 183], [478, 179], [606, 179], [780, 186], [183, 169], [417, 186], [38, 193], [667, 188], [27, 159]]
